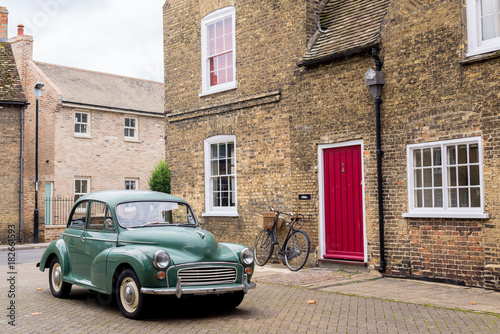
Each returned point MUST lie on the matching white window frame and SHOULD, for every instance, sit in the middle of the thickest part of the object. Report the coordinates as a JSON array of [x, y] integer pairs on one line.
[[79, 134], [136, 128], [475, 43], [218, 15], [210, 210], [135, 180], [80, 194], [445, 211]]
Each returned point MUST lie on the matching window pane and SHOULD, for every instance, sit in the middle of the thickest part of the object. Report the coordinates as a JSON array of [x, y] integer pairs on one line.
[[418, 178], [83, 128], [78, 117], [452, 198], [127, 121], [490, 27], [224, 184], [464, 197], [437, 156], [229, 74], [463, 176], [427, 157], [216, 184], [222, 167], [428, 177], [487, 7], [475, 198], [452, 176], [473, 154], [221, 75], [228, 42], [216, 199], [428, 198], [418, 198], [215, 168], [211, 31], [417, 158], [219, 45], [222, 150], [438, 198], [451, 155], [228, 25], [474, 175], [84, 118], [462, 154], [213, 148], [77, 128], [438, 177]]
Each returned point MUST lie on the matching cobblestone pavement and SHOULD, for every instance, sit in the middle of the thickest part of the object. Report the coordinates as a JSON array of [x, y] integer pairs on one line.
[[290, 306]]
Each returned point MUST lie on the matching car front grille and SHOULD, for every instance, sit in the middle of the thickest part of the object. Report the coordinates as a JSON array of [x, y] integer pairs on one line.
[[207, 275]]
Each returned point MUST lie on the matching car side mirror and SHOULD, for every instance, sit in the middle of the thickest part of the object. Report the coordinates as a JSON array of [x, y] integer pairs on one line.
[[108, 224]]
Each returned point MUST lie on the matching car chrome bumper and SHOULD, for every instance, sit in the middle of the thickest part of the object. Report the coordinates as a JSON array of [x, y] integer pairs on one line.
[[179, 290]]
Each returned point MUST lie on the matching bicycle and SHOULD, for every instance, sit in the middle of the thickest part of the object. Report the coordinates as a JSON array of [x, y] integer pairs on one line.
[[294, 250]]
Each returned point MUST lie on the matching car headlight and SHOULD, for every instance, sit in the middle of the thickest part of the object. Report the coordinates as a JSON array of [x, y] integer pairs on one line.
[[247, 256], [161, 259]]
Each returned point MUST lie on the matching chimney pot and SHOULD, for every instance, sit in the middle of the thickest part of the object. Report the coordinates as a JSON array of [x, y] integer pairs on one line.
[[20, 29]]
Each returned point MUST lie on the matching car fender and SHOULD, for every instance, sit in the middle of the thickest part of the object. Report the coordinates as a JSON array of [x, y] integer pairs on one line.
[[57, 248], [139, 258]]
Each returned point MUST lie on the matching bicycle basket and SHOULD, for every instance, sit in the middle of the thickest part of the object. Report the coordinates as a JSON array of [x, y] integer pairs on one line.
[[266, 219]]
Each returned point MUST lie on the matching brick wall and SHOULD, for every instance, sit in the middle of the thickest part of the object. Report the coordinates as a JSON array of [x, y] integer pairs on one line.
[[430, 94], [10, 142]]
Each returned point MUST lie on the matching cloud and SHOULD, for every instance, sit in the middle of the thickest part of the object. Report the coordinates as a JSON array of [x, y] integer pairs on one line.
[[121, 37]]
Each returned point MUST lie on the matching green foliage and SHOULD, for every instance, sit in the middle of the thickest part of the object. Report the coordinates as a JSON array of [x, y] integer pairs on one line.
[[160, 178]]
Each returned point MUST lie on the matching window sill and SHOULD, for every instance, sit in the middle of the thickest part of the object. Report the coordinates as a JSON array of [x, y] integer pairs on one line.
[[474, 58], [218, 90], [447, 215], [131, 140], [83, 136], [220, 214]]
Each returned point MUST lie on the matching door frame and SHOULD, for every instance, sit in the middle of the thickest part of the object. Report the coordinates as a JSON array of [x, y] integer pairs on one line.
[[322, 236]]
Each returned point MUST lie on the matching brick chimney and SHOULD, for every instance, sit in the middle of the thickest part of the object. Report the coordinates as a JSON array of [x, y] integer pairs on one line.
[[22, 47], [4, 18]]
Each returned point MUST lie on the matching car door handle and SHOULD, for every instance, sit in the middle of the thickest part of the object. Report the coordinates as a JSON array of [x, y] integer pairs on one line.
[[83, 238]]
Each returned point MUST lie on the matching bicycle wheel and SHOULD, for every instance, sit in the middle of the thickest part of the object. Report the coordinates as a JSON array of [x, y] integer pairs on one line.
[[297, 250], [264, 247]]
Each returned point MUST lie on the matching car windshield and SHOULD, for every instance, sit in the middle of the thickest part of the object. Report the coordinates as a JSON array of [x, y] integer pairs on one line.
[[145, 214]]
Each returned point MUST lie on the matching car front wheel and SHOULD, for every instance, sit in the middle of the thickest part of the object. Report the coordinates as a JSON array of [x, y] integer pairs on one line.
[[129, 296], [58, 288]]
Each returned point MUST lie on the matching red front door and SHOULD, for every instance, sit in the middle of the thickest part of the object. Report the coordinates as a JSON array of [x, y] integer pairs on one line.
[[343, 203]]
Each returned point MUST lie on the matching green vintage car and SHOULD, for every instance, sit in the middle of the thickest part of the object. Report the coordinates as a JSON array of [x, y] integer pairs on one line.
[[131, 244]]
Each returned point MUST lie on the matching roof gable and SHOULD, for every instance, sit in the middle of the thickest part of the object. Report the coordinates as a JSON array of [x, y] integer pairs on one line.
[[11, 89], [345, 26]]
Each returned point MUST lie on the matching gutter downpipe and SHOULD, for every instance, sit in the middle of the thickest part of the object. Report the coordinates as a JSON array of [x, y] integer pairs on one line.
[[380, 153], [21, 162]]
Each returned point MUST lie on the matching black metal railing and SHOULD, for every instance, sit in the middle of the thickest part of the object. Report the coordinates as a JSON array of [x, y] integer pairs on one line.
[[57, 210]]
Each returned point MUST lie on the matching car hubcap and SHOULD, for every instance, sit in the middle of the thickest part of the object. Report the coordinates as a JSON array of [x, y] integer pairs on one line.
[[129, 294], [56, 276]]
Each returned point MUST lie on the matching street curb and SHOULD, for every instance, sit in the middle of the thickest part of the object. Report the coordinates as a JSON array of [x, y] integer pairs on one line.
[[5, 248]]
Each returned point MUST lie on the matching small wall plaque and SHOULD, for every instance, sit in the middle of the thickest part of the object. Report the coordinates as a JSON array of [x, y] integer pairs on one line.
[[304, 197]]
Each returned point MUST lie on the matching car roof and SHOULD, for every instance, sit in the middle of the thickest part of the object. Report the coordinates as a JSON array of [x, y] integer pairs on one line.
[[113, 197]]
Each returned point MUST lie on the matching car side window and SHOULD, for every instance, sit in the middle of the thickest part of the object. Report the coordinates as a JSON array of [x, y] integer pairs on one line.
[[79, 216], [98, 212]]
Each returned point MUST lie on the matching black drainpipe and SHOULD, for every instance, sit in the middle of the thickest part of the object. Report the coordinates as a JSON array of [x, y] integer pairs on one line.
[[21, 171], [378, 102]]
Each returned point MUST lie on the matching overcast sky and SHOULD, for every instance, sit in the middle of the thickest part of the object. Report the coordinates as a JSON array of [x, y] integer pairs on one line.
[[113, 36]]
